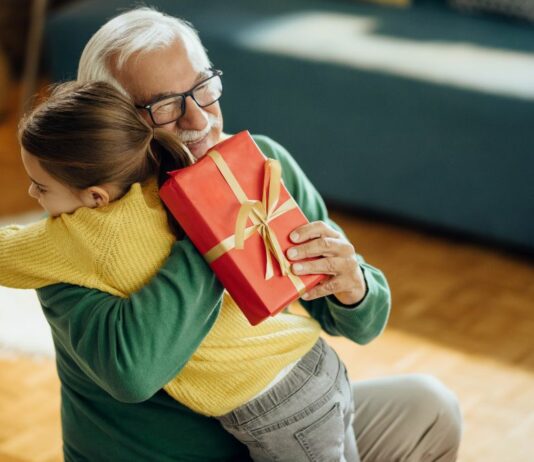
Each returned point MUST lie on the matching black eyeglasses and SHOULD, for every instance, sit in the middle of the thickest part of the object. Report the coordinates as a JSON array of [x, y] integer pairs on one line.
[[170, 108]]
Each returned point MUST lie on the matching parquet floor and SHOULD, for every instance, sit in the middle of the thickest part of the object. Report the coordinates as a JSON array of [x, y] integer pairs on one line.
[[464, 314], [461, 312]]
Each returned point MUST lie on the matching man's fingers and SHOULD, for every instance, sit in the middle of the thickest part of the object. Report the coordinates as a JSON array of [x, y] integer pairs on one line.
[[328, 287], [316, 240], [313, 230], [321, 247], [332, 266]]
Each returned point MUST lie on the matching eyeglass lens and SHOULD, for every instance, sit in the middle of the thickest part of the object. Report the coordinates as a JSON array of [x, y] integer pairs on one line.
[[170, 109]]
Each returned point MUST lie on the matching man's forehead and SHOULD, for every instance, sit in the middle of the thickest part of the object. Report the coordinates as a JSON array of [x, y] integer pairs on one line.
[[174, 69]]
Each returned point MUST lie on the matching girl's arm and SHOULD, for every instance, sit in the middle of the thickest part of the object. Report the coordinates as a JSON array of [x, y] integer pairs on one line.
[[26, 256], [132, 347], [40, 254]]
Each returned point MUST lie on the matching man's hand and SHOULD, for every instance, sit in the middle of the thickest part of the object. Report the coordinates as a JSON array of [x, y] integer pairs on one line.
[[335, 256]]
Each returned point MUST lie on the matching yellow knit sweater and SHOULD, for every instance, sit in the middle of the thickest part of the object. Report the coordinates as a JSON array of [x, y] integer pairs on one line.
[[118, 249]]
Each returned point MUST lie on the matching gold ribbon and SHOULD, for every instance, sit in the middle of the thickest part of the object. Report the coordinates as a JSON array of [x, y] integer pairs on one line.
[[260, 213]]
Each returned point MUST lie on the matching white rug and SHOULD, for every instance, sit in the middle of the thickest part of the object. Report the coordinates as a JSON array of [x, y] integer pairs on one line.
[[23, 327]]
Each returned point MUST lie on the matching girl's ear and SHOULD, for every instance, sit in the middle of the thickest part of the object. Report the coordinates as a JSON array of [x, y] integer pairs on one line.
[[95, 196]]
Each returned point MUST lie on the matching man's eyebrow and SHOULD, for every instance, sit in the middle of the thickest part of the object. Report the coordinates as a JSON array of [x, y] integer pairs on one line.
[[159, 96], [37, 183], [155, 98]]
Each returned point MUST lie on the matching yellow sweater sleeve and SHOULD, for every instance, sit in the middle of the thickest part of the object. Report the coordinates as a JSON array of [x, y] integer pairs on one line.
[[53, 251], [116, 249], [28, 258]]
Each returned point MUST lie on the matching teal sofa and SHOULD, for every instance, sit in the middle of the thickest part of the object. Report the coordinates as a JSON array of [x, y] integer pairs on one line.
[[399, 138]]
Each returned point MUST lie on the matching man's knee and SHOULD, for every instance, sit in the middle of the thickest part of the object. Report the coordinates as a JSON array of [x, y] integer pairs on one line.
[[432, 418], [432, 394], [438, 410], [409, 418]]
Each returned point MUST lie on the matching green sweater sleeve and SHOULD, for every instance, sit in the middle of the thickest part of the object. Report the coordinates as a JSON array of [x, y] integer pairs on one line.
[[132, 347], [363, 322]]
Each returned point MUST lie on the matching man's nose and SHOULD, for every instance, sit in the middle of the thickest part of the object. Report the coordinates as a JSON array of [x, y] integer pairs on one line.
[[194, 118]]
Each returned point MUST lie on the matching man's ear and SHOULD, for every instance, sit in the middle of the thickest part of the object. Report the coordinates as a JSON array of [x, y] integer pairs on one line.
[[96, 196]]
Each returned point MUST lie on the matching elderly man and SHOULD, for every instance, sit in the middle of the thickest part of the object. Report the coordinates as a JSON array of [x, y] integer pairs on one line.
[[114, 355]]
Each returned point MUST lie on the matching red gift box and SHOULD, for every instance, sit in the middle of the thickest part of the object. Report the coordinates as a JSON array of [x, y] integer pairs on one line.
[[234, 197]]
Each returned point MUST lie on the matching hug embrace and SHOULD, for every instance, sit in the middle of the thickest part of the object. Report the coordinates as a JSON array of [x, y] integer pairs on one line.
[[156, 360]]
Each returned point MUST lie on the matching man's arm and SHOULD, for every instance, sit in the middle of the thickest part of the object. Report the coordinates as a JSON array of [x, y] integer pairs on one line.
[[132, 347], [364, 320]]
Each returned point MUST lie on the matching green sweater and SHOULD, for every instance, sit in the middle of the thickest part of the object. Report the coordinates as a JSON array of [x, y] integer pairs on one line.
[[114, 354]]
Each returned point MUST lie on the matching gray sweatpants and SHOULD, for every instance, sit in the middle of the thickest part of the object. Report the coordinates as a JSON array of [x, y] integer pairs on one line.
[[408, 418]]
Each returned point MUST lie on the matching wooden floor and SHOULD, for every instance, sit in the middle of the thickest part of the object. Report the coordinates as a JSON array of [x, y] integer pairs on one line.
[[461, 312]]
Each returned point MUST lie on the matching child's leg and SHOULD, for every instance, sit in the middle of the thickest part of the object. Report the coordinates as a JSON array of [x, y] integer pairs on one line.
[[307, 416]]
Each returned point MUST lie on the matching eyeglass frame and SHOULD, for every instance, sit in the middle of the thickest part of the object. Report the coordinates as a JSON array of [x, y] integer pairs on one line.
[[184, 95]]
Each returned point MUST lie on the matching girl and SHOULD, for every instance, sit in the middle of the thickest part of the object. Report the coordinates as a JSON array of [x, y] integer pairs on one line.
[[96, 166]]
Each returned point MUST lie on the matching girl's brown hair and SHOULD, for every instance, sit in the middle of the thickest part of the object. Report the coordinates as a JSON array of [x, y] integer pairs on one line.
[[89, 134]]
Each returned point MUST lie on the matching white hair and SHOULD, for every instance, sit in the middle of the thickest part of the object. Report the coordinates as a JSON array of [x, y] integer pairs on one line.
[[136, 31]]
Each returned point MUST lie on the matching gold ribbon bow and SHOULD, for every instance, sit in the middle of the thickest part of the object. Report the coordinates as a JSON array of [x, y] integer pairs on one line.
[[260, 213]]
